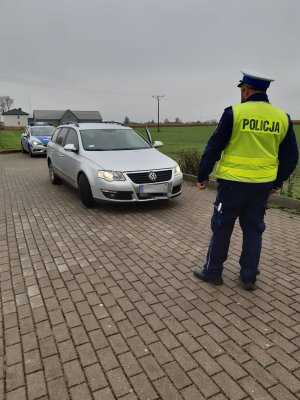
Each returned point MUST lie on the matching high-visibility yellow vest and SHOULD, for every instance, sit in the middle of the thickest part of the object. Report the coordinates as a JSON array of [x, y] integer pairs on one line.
[[251, 154]]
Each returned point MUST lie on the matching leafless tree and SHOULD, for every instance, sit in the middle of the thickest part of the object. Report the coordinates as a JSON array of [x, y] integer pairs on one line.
[[5, 103]]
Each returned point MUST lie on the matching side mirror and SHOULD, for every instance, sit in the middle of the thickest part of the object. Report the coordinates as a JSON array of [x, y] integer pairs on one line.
[[71, 147], [157, 143]]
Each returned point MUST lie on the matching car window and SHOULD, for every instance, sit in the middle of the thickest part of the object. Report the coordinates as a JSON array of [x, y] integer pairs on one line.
[[55, 134], [72, 138], [42, 130], [61, 135], [112, 139]]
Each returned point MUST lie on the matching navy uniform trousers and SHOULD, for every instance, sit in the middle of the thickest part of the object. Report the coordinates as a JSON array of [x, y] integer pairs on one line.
[[248, 202]]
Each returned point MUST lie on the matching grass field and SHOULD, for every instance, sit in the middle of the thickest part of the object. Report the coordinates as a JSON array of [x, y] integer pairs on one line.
[[181, 138], [10, 139], [176, 139]]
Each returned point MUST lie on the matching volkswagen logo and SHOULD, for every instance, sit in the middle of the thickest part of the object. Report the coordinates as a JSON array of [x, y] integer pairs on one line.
[[152, 176]]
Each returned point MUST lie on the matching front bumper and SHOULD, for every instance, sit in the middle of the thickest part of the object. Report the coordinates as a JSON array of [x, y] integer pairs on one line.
[[128, 191], [39, 149]]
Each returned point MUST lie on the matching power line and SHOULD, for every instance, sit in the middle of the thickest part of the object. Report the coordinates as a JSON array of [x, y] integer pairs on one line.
[[6, 78]]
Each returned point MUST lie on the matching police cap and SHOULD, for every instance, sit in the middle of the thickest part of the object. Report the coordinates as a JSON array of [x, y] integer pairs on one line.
[[255, 79]]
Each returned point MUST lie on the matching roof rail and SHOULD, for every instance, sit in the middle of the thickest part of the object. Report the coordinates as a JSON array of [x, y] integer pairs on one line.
[[112, 122]]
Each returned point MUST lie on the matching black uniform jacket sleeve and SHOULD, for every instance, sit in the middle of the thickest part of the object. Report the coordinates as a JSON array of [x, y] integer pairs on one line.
[[215, 145], [288, 156]]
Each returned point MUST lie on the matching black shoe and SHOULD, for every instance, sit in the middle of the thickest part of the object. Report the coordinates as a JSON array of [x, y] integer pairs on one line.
[[248, 285], [215, 280]]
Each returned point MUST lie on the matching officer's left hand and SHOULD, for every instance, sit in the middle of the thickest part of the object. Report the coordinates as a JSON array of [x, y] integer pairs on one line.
[[274, 190], [201, 185]]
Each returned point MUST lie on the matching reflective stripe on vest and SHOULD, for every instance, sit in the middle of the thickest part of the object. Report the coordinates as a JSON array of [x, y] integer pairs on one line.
[[251, 154]]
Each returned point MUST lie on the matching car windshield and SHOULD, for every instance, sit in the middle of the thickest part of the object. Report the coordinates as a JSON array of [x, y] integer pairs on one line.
[[112, 139], [42, 130]]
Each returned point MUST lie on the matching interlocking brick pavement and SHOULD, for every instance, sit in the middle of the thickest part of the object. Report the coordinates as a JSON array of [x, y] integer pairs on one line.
[[102, 304]]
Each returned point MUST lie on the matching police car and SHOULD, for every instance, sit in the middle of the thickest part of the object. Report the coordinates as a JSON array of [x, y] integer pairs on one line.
[[35, 138]]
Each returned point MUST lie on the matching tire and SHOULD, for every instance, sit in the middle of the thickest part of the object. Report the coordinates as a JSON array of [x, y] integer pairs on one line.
[[85, 191], [53, 177]]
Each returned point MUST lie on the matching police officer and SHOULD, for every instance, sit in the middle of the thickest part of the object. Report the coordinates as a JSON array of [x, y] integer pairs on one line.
[[255, 149]]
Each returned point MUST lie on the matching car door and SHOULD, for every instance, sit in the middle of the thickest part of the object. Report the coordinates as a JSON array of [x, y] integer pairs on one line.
[[57, 151], [70, 160], [25, 138]]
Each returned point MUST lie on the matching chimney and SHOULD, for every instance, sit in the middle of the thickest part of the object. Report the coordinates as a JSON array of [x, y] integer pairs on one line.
[[20, 109]]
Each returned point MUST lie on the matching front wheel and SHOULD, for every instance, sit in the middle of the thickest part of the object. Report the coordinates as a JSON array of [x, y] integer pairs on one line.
[[85, 191], [53, 177]]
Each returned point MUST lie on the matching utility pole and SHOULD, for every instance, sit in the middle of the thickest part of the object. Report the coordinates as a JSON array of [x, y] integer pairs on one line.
[[157, 98], [29, 105]]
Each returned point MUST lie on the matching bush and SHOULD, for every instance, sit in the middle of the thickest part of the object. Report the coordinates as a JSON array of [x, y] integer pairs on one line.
[[188, 161], [288, 188]]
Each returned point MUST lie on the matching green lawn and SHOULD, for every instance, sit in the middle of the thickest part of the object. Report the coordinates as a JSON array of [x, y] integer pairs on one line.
[[10, 139], [181, 138]]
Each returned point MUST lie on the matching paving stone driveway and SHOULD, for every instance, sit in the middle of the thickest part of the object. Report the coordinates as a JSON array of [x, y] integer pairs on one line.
[[102, 304]]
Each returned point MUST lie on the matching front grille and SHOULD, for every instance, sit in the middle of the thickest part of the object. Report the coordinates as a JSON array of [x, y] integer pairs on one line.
[[143, 177]]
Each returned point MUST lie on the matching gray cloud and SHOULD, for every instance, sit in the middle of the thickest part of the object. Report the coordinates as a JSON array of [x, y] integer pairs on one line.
[[113, 55]]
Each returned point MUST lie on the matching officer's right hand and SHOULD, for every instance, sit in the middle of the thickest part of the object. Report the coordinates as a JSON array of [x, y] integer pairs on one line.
[[201, 185]]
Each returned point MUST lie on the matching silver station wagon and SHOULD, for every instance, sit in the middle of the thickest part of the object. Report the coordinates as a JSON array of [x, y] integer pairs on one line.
[[111, 162]]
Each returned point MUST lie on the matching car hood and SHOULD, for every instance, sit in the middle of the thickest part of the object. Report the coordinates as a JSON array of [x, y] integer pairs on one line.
[[42, 139], [130, 160]]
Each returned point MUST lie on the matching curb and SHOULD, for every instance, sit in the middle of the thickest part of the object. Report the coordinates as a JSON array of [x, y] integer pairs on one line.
[[8, 151], [275, 199]]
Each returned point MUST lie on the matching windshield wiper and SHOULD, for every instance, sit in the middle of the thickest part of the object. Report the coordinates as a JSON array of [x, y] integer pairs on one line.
[[93, 149], [124, 148], [132, 148], [118, 149]]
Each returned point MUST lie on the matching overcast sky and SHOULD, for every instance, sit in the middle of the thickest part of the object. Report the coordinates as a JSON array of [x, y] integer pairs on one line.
[[114, 55]]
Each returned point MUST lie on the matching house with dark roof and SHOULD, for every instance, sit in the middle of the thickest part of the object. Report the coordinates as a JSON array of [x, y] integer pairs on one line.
[[15, 118], [51, 116], [57, 117]]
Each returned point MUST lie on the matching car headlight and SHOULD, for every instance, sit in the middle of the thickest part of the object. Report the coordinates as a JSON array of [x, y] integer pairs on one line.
[[177, 170], [111, 176], [35, 142]]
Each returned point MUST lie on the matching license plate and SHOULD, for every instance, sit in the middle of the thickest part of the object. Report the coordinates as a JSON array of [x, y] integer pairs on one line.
[[158, 188]]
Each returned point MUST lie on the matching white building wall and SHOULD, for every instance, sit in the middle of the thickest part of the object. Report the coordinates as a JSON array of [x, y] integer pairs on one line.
[[15, 120]]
